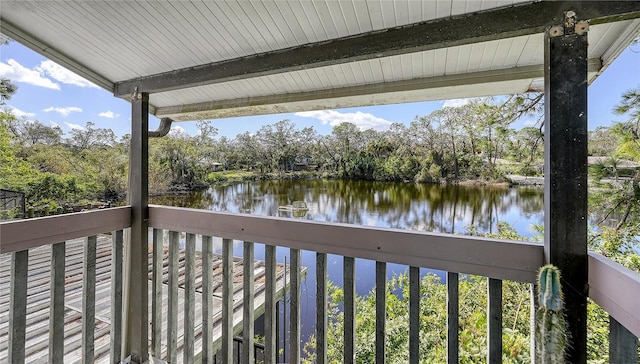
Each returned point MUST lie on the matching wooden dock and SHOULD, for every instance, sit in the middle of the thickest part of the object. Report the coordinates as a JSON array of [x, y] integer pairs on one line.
[[38, 302]]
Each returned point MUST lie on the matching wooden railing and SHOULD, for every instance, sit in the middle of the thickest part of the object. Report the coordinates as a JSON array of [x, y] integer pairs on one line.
[[611, 286], [19, 238]]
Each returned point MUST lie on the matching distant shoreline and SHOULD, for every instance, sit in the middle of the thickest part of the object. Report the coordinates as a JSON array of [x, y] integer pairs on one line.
[[518, 180]]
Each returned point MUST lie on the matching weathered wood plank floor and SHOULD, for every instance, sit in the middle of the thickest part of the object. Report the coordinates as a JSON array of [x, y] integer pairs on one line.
[[38, 302]]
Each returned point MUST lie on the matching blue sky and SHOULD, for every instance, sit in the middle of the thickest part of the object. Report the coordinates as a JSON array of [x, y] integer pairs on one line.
[[54, 96]]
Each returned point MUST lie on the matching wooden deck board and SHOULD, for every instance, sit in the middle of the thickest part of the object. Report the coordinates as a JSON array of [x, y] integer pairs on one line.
[[38, 293]]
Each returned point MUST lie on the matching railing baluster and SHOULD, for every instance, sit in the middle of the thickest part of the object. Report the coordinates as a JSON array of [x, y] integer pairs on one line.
[[452, 317], [294, 320], [494, 321], [172, 307], [623, 345], [349, 310], [18, 306], [381, 310], [414, 315], [278, 328], [156, 303], [270, 318], [56, 310], [248, 288], [321, 308], [533, 308], [189, 298], [116, 295], [207, 300], [227, 300], [89, 300]]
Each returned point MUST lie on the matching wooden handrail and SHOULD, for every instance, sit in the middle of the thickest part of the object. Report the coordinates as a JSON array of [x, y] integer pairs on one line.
[[616, 289], [500, 259], [20, 235]]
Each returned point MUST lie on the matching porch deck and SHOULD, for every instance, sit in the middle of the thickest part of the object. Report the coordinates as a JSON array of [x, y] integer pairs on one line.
[[39, 299]]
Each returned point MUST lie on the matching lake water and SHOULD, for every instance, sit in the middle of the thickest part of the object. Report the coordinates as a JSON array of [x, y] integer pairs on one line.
[[422, 207]]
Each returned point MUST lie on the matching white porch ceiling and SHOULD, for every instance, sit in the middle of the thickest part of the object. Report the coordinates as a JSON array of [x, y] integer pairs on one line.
[[111, 42]]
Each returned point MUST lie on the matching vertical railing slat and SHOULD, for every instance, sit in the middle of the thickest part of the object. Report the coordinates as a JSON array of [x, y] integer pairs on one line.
[[452, 317], [278, 328], [321, 308], [189, 298], [156, 303], [623, 345], [117, 240], [56, 310], [89, 300], [414, 315], [533, 308], [294, 321], [207, 300], [381, 310], [494, 321], [18, 306], [248, 288], [349, 310], [270, 318], [172, 306], [227, 300]]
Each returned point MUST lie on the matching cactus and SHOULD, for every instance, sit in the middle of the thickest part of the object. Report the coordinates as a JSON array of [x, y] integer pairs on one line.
[[551, 327]]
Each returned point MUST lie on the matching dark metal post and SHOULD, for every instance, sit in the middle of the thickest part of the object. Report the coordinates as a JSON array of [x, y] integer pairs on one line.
[[137, 307], [565, 168]]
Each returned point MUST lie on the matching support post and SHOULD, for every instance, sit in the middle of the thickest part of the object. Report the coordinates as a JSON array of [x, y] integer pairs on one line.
[[565, 169], [135, 340]]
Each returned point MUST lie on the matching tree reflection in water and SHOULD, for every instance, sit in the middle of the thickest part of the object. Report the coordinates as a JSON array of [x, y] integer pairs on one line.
[[422, 207]]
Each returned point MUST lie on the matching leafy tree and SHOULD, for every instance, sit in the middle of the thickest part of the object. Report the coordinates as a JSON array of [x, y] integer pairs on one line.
[[7, 89], [91, 137], [14, 172], [602, 141], [629, 131], [30, 133]]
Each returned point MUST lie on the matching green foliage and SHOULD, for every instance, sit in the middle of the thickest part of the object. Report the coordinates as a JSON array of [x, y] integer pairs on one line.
[[432, 322], [7, 89], [472, 315]]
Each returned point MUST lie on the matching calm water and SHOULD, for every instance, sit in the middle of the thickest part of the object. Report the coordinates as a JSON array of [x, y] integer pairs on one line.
[[385, 204]]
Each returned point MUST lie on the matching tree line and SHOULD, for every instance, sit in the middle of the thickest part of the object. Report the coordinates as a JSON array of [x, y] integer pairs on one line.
[[475, 141]]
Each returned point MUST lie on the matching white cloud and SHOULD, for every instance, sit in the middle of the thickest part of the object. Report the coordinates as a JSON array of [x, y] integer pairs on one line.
[[362, 120], [21, 114], [456, 102], [62, 74], [177, 131], [74, 126], [64, 111], [54, 124], [18, 73], [109, 114]]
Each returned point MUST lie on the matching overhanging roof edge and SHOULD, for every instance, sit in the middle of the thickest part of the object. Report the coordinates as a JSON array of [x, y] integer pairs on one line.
[[500, 23], [60, 58]]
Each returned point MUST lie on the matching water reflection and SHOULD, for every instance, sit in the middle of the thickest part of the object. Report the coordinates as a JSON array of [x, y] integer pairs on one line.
[[411, 206]]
